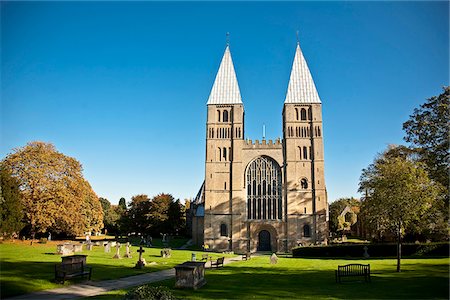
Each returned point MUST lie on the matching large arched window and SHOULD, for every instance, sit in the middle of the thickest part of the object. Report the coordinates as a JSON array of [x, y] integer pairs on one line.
[[264, 189], [304, 183]]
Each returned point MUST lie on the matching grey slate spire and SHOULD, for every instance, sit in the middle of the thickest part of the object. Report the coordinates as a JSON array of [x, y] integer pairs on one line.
[[225, 89], [301, 88]]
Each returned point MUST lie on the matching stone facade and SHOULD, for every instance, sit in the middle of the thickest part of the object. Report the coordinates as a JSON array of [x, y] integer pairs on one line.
[[262, 195]]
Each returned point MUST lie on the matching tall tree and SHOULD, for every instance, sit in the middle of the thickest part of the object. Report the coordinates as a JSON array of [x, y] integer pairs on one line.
[[158, 214], [399, 194], [427, 131], [11, 209], [53, 192], [123, 203]]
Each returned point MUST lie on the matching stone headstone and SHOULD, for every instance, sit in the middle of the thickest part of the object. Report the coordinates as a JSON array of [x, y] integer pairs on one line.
[[127, 250], [78, 248], [141, 262], [108, 247], [366, 255], [49, 236], [117, 255], [273, 259], [166, 252], [193, 258], [344, 238], [89, 246]]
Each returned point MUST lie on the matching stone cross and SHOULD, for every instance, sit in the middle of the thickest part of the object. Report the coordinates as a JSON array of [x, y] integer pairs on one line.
[[366, 255], [140, 263], [127, 253], [117, 251], [89, 246]]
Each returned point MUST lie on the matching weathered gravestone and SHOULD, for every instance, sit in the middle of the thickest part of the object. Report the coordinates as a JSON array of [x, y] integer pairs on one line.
[[107, 247], [273, 259], [64, 249], [117, 255], [127, 250], [166, 252], [89, 246], [77, 247], [141, 262]]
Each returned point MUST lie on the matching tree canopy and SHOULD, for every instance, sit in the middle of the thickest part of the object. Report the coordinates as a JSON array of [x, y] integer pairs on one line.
[[400, 196], [427, 132], [54, 195], [11, 209]]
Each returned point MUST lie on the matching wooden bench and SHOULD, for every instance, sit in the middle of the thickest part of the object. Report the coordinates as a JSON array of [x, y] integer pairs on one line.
[[353, 270], [246, 256], [71, 270], [218, 263]]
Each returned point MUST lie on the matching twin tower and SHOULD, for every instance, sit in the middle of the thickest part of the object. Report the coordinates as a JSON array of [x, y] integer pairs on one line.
[[262, 195]]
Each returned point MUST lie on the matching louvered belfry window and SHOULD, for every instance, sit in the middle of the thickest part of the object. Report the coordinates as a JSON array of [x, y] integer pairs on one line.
[[264, 189]]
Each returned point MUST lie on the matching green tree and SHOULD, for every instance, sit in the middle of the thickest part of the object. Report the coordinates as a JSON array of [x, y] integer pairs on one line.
[[427, 131], [399, 194], [136, 218], [11, 210], [53, 192], [123, 203], [159, 214], [176, 218]]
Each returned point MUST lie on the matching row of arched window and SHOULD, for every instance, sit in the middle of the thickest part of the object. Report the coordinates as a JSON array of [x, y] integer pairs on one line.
[[224, 116], [303, 132], [303, 153], [224, 154], [224, 133], [303, 114]]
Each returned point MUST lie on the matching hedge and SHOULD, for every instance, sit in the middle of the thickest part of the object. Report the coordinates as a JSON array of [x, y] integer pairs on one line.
[[374, 250]]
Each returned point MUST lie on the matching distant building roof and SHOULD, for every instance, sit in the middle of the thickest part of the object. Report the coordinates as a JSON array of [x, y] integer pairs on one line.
[[200, 198], [225, 89]]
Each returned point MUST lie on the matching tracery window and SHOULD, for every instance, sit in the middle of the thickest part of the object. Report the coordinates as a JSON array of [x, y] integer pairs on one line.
[[264, 199], [304, 183]]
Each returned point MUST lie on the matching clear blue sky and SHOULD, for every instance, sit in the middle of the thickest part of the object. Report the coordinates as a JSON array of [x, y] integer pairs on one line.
[[122, 87]]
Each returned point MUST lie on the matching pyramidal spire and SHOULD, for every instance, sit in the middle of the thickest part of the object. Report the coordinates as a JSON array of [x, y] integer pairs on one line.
[[225, 89], [301, 88]]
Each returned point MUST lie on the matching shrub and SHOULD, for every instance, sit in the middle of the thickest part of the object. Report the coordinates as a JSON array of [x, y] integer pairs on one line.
[[374, 250], [149, 292]]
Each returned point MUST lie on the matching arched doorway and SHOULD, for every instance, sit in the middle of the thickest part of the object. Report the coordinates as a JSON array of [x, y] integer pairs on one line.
[[264, 241]]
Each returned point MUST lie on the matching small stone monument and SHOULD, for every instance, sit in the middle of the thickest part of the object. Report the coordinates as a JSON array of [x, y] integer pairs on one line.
[[127, 250], [273, 259], [108, 247], [366, 255], [166, 253], [141, 262], [190, 274], [193, 257], [117, 255], [49, 236]]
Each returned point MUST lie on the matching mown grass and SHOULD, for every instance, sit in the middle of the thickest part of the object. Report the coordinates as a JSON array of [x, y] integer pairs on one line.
[[27, 268], [296, 278]]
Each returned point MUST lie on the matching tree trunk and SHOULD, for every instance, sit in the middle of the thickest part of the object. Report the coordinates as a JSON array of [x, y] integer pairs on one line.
[[399, 247]]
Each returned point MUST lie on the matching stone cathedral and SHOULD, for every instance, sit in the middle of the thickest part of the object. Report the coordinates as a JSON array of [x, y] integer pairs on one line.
[[262, 195]]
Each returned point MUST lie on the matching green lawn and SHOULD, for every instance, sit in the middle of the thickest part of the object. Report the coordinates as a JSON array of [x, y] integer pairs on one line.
[[26, 268], [296, 278]]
